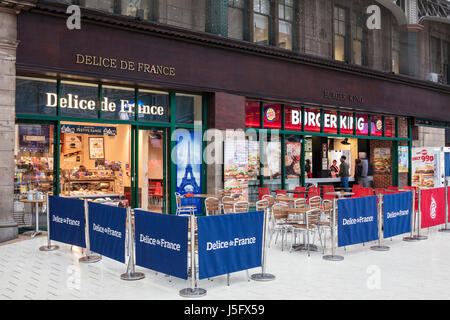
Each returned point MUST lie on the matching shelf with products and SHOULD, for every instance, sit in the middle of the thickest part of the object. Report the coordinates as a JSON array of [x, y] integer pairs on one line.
[[91, 182]]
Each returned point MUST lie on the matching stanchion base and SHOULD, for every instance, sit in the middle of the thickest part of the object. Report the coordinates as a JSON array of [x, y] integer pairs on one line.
[[333, 257], [49, 248], [193, 293], [298, 247], [90, 259], [262, 277], [132, 276], [444, 230], [379, 248], [421, 237], [410, 239]]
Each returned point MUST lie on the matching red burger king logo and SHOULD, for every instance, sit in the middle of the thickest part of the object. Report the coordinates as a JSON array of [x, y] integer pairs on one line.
[[270, 114]]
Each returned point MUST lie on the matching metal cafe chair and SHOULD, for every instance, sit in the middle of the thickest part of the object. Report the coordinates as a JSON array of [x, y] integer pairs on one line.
[[279, 223], [325, 221], [227, 204], [262, 205], [280, 197], [315, 202], [240, 206], [183, 210], [212, 206], [269, 198], [312, 225]]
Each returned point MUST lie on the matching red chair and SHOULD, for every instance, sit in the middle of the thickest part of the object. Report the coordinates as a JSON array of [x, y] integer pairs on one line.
[[300, 195], [262, 192], [325, 190], [356, 186], [392, 188], [313, 192], [277, 192]]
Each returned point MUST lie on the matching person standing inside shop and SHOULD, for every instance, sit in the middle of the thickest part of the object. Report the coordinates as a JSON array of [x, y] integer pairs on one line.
[[308, 168], [334, 169], [358, 172], [344, 172]]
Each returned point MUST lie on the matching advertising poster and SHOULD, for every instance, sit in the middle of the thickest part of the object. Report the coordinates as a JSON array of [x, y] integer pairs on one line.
[[253, 160], [432, 207], [424, 167], [396, 213], [292, 160], [403, 163], [382, 158], [188, 165], [96, 148], [34, 138], [236, 167], [272, 157]]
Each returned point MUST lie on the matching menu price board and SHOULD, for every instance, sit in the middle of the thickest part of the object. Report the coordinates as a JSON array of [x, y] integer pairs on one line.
[[424, 167], [403, 163], [292, 159], [236, 167]]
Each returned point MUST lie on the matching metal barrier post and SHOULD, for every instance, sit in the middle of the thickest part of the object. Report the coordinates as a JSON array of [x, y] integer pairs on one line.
[[419, 220], [88, 258], [131, 274], [333, 257], [446, 229], [193, 291], [49, 246], [379, 247], [263, 276], [413, 219]]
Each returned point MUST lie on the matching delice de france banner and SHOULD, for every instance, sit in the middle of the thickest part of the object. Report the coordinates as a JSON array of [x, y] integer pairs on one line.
[[432, 207], [67, 221], [162, 242], [107, 230], [229, 243], [396, 213], [357, 220]]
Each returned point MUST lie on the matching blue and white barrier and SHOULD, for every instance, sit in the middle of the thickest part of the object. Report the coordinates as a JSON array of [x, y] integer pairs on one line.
[[397, 208]]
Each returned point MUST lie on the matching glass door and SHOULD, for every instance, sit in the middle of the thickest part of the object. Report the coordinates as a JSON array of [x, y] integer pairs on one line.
[[152, 173]]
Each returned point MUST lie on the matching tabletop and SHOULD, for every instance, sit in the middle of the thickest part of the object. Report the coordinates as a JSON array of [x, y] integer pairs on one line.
[[32, 201], [340, 193]]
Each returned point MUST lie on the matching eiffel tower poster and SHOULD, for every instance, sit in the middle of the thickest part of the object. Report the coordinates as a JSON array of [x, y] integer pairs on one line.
[[188, 170]]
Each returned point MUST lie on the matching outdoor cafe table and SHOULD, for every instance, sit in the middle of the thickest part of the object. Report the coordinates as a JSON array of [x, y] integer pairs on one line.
[[36, 202], [340, 194]]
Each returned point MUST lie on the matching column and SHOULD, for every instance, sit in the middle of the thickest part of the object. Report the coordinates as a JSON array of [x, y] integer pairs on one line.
[[8, 45]]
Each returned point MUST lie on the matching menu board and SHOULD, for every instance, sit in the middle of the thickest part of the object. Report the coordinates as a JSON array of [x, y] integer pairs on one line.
[[403, 163], [424, 167], [96, 148], [382, 159], [292, 159], [236, 167]]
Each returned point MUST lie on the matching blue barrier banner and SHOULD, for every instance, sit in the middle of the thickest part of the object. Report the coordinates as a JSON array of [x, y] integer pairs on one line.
[[67, 221], [229, 243], [162, 242], [107, 230], [396, 213], [357, 220]]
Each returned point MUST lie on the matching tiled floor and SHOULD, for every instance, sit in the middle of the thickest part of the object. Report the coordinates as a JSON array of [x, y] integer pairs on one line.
[[410, 270]]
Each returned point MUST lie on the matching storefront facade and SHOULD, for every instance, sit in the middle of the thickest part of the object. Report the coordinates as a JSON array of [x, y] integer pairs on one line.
[[74, 94]]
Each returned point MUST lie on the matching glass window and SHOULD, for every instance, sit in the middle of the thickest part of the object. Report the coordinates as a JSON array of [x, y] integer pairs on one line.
[[293, 118], [261, 17], [272, 162], [33, 162], [236, 19], [389, 126], [293, 148], [346, 123], [358, 38], [330, 121], [340, 34], [188, 108], [188, 14], [143, 9], [36, 96], [78, 99], [253, 167], [286, 19], [103, 5], [376, 126], [272, 116], [252, 114], [435, 47], [362, 125], [153, 106], [118, 103], [312, 120]]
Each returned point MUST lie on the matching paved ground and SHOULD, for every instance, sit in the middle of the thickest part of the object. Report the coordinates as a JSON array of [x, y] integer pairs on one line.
[[410, 270]]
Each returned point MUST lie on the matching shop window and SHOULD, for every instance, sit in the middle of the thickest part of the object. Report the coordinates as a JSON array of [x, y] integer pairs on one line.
[[312, 120], [389, 126], [252, 115], [286, 21], [261, 19], [36, 96], [292, 163], [78, 99], [33, 159], [272, 162], [346, 123], [94, 160], [253, 167], [362, 125], [308, 157], [340, 33], [118, 103], [330, 121], [153, 106], [188, 108], [272, 116], [236, 19], [292, 118], [376, 126]]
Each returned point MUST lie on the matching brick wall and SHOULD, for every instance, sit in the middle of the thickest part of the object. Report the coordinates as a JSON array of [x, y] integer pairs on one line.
[[380, 180]]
